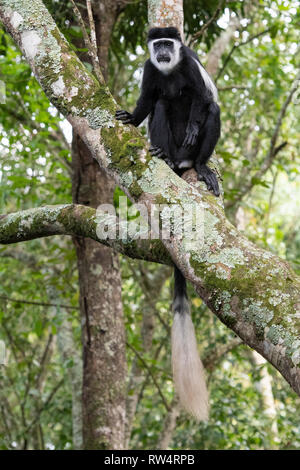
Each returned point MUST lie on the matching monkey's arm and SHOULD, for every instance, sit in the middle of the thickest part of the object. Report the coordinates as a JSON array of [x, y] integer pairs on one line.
[[144, 106], [197, 118], [145, 102], [201, 100]]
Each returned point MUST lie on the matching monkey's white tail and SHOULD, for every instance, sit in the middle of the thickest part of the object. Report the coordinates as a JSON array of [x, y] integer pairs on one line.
[[188, 372]]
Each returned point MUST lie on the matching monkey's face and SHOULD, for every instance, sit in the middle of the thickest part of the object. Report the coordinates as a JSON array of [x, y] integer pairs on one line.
[[163, 50], [165, 53]]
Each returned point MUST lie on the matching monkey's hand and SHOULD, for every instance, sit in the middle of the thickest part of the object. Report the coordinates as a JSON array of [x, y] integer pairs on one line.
[[191, 134], [158, 152], [124, 116], [208, 176]]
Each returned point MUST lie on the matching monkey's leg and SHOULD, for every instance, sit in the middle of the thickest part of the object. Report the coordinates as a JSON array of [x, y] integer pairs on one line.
[[158, 152], [210, 134], [162, 142]]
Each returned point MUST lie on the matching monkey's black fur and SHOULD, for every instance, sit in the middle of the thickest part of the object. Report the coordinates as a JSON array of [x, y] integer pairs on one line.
[[159, 33]]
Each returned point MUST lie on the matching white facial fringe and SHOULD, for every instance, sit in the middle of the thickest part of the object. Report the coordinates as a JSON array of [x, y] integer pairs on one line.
[[165, 67]]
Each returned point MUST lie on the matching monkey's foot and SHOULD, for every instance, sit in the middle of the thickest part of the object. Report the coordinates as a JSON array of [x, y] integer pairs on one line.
[[124, 116], [158, 152], [208, 176]]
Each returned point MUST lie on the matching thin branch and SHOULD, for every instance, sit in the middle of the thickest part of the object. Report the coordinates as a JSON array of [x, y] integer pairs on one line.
[[46, 356], [42, 304], [95, 57], [169, 425], [155, 358], [273, 150], [267, 217], [14, 347], [230, 87], [92, 28], [208, 23], [92, 51], [86, 38], [255, 36], [45, 404], [151, 374], [213, 358], [220, 45]]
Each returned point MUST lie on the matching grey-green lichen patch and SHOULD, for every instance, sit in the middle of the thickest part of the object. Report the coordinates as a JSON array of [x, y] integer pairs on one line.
[[223, 300], [295, 356], [229, 257], [221, 271], [158, 179], [30, 41], [213, 253], [36, 28], [276, 297], [99, 117], [96, 269], [58, 87], [223, 304], [255, 312], [30, 221], [16, 20], [126, 179], [213, 237], [151, 180], [278, 335]]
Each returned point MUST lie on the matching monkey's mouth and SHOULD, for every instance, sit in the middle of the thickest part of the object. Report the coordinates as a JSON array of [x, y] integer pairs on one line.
[[163, 59]]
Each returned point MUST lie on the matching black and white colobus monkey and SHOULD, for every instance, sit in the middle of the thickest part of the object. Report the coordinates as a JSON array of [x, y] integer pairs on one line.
[[180, 97], [184, 127]]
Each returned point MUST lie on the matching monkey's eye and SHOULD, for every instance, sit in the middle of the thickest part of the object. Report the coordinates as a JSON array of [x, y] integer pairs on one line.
[[168, 43]]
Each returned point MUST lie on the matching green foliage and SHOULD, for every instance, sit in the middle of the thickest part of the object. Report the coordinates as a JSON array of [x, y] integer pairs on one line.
[[35, 170]]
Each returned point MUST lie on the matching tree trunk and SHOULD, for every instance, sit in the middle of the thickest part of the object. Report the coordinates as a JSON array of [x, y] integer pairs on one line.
[[104, 362], [104, 369]]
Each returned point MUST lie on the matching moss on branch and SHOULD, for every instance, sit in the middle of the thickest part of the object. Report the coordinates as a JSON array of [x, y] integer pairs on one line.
[[77, 221]]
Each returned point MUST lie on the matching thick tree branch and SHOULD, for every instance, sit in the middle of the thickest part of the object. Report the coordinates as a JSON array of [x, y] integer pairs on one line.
[[78, 221], [252, 291]]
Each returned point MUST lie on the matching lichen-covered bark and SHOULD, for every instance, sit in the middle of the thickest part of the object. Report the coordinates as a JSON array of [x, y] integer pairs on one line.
[[78, 221], [252, 291], [165, 13]]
